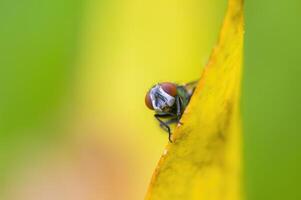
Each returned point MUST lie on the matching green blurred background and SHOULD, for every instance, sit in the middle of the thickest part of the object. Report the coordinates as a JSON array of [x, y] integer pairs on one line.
[[271, 99], [73, 76]]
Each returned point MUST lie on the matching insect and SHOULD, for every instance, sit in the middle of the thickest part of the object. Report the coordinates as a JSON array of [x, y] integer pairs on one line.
[[169, 101]]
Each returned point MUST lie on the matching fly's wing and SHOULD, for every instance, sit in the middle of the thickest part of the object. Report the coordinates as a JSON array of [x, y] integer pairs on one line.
[[185, 91], [189, 87]]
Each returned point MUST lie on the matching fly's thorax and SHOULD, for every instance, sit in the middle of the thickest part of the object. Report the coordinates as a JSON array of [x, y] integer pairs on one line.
[[184, 96]]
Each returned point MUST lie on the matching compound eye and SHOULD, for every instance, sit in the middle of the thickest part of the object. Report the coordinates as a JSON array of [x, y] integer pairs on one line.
[[148, 101], [169, 88]]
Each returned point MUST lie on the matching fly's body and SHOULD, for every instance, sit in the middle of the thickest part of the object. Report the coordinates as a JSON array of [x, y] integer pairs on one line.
[[169, 101]]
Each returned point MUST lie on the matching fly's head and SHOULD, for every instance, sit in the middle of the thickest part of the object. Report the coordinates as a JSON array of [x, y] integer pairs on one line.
[[161, 97]]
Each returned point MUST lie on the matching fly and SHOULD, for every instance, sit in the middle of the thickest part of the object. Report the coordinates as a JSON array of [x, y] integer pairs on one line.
[[169, 101]]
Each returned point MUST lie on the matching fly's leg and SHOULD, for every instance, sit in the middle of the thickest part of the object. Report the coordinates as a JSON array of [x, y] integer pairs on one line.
[[168, 122], [171, 121], [164, 124], [179, 108]]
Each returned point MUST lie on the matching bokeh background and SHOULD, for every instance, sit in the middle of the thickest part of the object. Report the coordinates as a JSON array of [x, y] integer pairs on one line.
[[271, 99], [73, 75]]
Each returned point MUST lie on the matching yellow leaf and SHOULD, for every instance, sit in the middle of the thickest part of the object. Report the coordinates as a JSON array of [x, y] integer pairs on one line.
[[204, 161]]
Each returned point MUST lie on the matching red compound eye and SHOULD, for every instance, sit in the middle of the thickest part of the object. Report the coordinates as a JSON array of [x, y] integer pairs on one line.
[[148, 101], [169, 88]]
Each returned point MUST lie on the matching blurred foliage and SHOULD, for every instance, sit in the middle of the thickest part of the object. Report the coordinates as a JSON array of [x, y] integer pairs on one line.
[[37, 51], [271, 99]]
